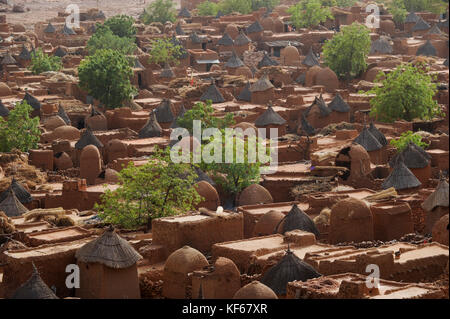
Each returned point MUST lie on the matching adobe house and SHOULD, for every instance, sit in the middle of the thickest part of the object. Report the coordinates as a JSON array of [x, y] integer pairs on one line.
[[225, 43], [255, 31], [436, 205], [202, 60], [195, 42], [241, 43], [233, 63], [262, 90], [108, 268], [318, 113], [391, 220]]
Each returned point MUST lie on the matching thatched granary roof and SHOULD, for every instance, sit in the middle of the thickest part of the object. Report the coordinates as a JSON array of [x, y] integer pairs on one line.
[[255, 27], [242, 39], [420, 25], [269, 117], [184, 13], [413, 157], [179, 30], [310, 59], [427, 49], [434, 30], [266, 61], [67, 31], [411, 18], [167, 72], [151, 128], [21, 193], [338, 104], [25, 54], [179, 116], [381, 45], [212, 93], [320, 103], [438, 198], [138, 64], [88, 138], [262, 84], [378, 135], [60, 52], [195, 38], [32, 101], [62, 114], [11, 205], [289, 268], [110, 250], [307, 127], [245, 94], [49, 28], [8, 59], [225, 40], [34, 288], [367, 140], [164, 112], [4, 111], [234, 61], [401, 177], [297, 219]]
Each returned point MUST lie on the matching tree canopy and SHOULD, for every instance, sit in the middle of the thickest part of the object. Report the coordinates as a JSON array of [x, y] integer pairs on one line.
[[309, 13], [164, 51], [159, 11], [42, 62], [104, 38]]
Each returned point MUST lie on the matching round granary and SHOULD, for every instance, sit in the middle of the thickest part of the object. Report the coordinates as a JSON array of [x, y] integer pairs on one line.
[[209, 193], [255, 194], [255, 290], [267, 223]]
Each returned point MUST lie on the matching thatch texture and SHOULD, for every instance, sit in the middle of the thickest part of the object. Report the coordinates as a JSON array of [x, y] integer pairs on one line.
[[62, 114], [427, 49], [319, 103], [245, 94], [34, 288], [21, 193], [381, 46], [88, 138], [167, 72], [338, 104], [234, 61], [49, 28], [212, 93], [242, 39], [151, 128], [438, 198], [411, 18], [184, 13], [179, 30], [368, 141], [225, 40], [401, 177], [11, 206], [420, 25], [261, 85], [311, 59], [255, 27], [4, 111], [307, 127], [32, 101], [266, 61], [60, 52], [110, 250], [25, 53], [8, 59], [413, 157], [164, 112], [378, 135], [269, 117], [297, 219]]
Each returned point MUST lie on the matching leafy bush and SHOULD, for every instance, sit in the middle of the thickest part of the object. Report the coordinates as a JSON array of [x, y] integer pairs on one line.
[[106, 76], [41, 62], [157, 189], [207, 8], [122, 26], [159, 11], [407, 137], [104, 38], [19, 131], [230, 6], [164, 50], [268, 4], [309, 13], [347, 51], [435, 6], [406, 93]]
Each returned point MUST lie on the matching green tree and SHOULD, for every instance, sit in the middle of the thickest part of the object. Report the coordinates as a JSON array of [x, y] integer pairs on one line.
[[104, 38], [407, 137], [157, 189], [345, 3], [122, 26], [106, 76], [41, 62], [406, 93], [19, 131], [240, 6], [159, 11], [164, 50], [435, 6], [268, 4], [398, 11], [309, 13], [347, 51], [207, 8], [204, 113]]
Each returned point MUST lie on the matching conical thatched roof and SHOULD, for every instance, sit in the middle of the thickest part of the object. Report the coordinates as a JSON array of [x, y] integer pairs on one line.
[[297, 219], [110, 250], [195, 38], [289, 268], [184, 13], [241, 39], [435, 30], [179, 30], [167, 72], [138, 64], [67, 31], [311, 59], [420, 25], [438, 198], [151, 128], [179, 116], [25, 54], [368, 141], [8, 59], [261, 85], [4, 111], [427, 49], [411, 18], [32, 101], [164, 112], [338, 104], [60, 52], [413, 157], [301, 78], [401, 177], [266, 61], [11, 206], [34, 288], [320, 103], [21, 193], [378, 135], [255, 27], [234, 61], [62, 114], [49, 28], [245, 94], [88, 138], [269, 117], [381, 45], [307, 127], [212, 93], [225, 40]]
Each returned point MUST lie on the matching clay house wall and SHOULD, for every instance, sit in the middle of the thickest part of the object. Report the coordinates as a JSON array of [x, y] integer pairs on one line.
[[391, 220], [41, 159], [261, 97]]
